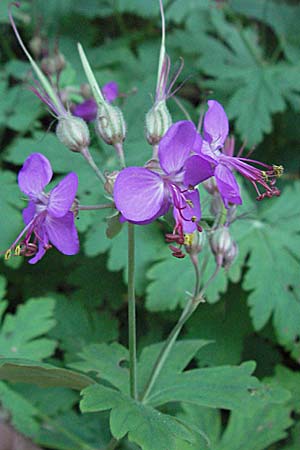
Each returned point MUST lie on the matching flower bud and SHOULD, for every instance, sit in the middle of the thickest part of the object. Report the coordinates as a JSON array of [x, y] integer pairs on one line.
[[110, 124], [194, 242], [210, 185], [36, 45], [158, 121], [73, 132], [223, 247]]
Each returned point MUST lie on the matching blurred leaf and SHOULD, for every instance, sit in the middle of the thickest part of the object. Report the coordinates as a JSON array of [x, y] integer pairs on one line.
[[271, 236], [26, 371], [20, 336], [291, 381], [226, 324]]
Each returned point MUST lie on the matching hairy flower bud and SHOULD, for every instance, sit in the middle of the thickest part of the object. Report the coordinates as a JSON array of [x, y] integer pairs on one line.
[[210, 186], [223, 247], [73, 132], [110, 124], [158, 121], [194, 242]]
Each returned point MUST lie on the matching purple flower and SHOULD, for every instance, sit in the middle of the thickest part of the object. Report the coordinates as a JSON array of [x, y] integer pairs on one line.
[[87, 110], [217, 149], [47, 217], [142, 195]]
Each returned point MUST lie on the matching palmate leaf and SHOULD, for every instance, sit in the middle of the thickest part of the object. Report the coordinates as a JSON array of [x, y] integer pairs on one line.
[[272, 239], [20, 334], [239, 64], [143, 424], [262, 426]]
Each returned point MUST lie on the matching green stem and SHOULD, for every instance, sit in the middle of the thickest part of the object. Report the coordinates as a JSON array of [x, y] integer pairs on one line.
[[89, 159], [131, 312], [190, 307], [112, 444]]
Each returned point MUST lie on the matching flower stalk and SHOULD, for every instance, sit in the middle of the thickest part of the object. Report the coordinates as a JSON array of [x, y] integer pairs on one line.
[[131, 312]]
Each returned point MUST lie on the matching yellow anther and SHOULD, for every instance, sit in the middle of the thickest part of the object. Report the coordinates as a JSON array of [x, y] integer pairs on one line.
[[278, 171], [265, 176], [188, 239], [194, 219], [190, 203], [18, 250], [7, 254]]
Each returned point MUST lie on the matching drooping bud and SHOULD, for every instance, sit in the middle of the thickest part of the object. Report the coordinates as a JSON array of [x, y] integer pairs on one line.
[[223, 246], [36, 45], [110, 124], [158, 121], [73, 132], [53, 64], [210, 185]]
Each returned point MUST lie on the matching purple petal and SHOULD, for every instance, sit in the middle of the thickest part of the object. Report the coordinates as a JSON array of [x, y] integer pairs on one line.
[[227, 185], [29, 212], [196, 170], [87, 110], [198, 143], [189, 212], [110, 91], [139, 194], [176, 145], [43, 242], [34, 175], [62, 233], [62, 196], [215, 125]]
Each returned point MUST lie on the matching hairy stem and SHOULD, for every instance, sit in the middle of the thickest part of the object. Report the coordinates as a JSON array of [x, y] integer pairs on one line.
[[131, 312], [190, 307], [95, 207]]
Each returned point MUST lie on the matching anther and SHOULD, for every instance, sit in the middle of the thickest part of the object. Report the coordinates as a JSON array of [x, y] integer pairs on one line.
[[7, 254], [18, 250]]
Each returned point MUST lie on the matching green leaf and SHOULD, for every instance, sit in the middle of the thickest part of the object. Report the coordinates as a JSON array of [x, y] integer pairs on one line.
[[149, 247], [11, 223], [271, 237], [141, 423], [84, 325], [23, 413], [291, 381], [26, 371], [108, 361], [20, 335]]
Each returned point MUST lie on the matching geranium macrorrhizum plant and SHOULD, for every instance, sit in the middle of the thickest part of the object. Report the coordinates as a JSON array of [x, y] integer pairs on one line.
[[182, 160]]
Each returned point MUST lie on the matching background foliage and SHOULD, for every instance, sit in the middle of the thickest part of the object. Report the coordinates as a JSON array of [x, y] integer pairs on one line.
[[244, 53]]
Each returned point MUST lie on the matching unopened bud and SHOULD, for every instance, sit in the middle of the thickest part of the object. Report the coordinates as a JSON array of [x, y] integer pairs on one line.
[[194, 242], [223, 246], [73, 132], [52, 65], [110, 124], [110, 181], [36, 45], [158, 121]]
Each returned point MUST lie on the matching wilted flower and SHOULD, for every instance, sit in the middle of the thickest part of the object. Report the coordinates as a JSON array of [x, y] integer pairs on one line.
[[142, 195], [218, 151], [47, 217]]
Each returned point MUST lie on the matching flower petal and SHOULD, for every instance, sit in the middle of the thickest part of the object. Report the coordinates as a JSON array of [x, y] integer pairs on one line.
[[87, 110], [215, 125], [139, 194], [110, 91], [29, 212], [34, 175], [196, 170], [176, 145], [43, 242], [62, 233], [227, 185], [62, 196], [191, 214]]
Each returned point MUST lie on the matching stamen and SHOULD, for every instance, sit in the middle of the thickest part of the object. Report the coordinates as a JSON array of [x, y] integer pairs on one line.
[[7, 254], [18, 250]]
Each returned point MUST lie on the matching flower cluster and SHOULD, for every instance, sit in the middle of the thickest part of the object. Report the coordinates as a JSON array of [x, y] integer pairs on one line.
[[185, 159]]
